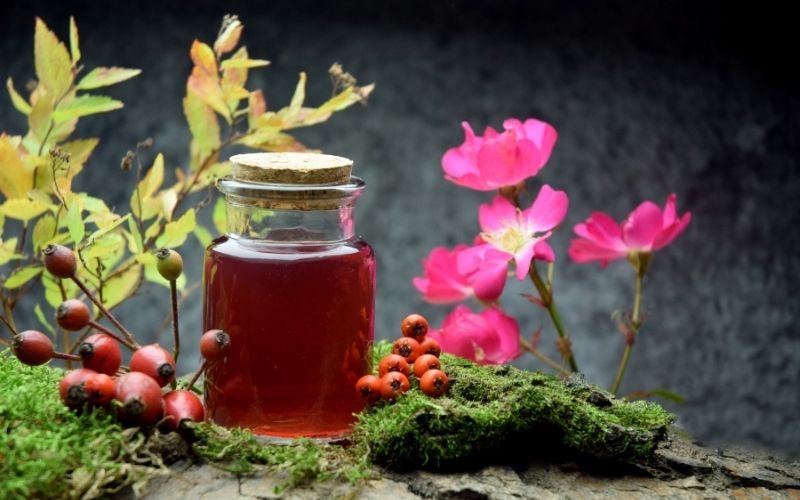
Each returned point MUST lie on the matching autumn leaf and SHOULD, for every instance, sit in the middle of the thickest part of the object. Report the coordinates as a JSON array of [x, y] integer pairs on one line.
[[19, 102], [15, 178], [79, 152], [74, 46], [52, 61], [121, 287], [143, 195], [104, 77], [175, 232], [85, 105], [22, 209], [203, 57], [204, 127], [243, 62], [257, 106], [219, 217], [75, 224], [229, 36], [207, 88], [8, 251], [22, 275], [43, 232]]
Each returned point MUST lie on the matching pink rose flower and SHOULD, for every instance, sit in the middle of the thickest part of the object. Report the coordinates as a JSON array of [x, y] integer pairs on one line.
[[500, 158], [646, 230], [442, 283], [491, 337]]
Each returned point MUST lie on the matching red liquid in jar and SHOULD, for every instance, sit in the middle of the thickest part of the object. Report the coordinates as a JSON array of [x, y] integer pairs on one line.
[[300, 320]]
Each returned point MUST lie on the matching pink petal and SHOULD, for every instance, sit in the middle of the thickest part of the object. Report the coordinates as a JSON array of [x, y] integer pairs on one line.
[[669, 211], [582, 251], [497, 215], [507, 334], [502, 161], [604, 230], [667, 235], [543, 135], [442, 282], [642, 226], [523, 259], [547, 211], [543, 251]]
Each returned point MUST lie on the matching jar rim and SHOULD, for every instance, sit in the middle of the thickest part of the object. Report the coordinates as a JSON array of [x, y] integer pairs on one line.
[[231, 186]]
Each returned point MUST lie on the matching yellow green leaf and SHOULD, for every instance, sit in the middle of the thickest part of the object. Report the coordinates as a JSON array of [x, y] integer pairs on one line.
[[204, 127], [271, 140], [74, 46], [299, 96], [22, 275], [203, 236], [75, 223], [143, 203], [37, 310], [121, 287], [107, 229], [243, 63], [15, 178], [104, 77], [175, 232], [8, 251], [257, 106], [17, 100], [169, 198], [229, 37], [108, 250], [43, 232], [134, 237], [53, 65], [206, 86], [22, 209], [85, 105], [203, 57], [219, 217]]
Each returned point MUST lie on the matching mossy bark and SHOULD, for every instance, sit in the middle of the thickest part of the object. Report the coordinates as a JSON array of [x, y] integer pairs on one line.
[[495, 409]]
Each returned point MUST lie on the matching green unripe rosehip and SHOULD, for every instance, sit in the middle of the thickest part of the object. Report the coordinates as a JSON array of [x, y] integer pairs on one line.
[[169, 264]]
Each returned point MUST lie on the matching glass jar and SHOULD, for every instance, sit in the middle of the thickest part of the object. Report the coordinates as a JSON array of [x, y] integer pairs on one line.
[[295, 289]]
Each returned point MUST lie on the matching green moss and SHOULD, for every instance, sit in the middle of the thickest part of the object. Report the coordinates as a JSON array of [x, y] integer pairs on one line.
[[492, 408], [48, 451]]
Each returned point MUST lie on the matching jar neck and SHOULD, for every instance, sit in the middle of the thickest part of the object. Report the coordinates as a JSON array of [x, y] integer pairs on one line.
[[281, 226]]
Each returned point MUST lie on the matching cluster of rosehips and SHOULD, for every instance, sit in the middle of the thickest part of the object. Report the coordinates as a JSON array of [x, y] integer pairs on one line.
[[136, 393], [394, 370]]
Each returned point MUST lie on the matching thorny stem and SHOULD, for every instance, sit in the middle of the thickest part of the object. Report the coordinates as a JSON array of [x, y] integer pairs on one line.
[[105, 311], [528, 347], [176, 348], [196, 375], [97, 326], [630, 336], [546, 295]]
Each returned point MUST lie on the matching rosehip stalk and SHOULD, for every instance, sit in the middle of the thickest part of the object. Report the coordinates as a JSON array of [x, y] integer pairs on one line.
[[113, 319], [176, 346], [97, 326], [170, 266], [196, 375]]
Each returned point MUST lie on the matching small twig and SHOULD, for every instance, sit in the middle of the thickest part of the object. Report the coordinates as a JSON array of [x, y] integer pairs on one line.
[[176, 346], [196, 375], [65, 356], [106, 312], [97, 326], [168, 317], [9, 324], [528, 347]]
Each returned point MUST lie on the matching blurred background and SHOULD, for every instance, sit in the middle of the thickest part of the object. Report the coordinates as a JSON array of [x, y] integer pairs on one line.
[[649, 98]]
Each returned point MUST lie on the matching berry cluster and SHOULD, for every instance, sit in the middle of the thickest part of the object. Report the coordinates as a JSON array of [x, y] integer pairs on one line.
[[138, 394], [415, 350]]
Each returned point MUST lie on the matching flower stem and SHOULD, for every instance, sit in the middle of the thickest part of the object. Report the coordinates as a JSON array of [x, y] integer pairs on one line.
[[630, 337], [176, 346], [106, 312], [528, 347], [546, 295]]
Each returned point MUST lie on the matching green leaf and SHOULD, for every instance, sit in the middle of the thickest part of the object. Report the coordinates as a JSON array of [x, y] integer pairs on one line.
[[16, 180], [22, 209], [53, 65], [134, 237], [121, 287], [146, 189], [204, 127], [203, 236], [37, 310], [74, 46], [104, 77], [75, 223], [52, 292], [175, 232], [299, 96], [243, 63], [219, 217], [19, 102], [22, 275], [43, 232], [8, 251], [107, 229], [85, 105]]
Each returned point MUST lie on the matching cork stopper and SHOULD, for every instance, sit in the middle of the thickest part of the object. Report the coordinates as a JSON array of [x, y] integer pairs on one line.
[[292, 168]]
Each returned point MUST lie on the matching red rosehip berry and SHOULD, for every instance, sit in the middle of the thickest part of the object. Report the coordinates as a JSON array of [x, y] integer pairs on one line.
[[214, 345], [393, 384], [100, 389], [369, 388], [101, 353], [434, 383], [181, 406], [32, 347], [431, 346], [393, 363], [414, 326], [169, 264], [72, 388], [60, 261], [407, 347], [426, 362], [72, 315], [140, 396], [155, 362]]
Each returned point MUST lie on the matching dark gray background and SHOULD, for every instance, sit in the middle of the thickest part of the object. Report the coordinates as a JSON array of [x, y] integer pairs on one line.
[[648, 98]]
